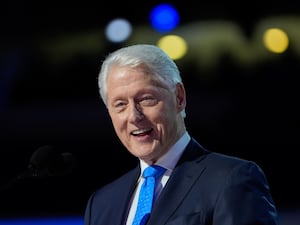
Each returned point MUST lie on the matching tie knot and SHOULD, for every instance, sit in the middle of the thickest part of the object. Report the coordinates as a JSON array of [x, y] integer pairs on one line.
[[153, 171]]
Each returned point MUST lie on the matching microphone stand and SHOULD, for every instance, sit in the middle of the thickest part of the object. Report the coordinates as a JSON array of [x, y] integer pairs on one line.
[[29, 172]]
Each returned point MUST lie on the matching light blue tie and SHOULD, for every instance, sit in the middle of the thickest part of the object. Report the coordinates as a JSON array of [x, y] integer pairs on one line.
[[146, 195]]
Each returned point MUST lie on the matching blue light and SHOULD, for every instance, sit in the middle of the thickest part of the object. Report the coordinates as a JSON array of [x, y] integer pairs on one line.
[[43, 221], [164, 17]]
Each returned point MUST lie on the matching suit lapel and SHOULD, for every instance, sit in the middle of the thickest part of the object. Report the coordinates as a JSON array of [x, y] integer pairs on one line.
[[128, 185], [186, 172]]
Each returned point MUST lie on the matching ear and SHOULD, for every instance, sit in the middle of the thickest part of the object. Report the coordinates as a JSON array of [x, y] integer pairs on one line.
[[180, 96]]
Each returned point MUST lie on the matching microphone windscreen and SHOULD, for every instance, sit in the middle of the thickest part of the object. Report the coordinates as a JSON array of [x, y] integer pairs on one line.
[[46, 161], [43, 157], [62, 165]]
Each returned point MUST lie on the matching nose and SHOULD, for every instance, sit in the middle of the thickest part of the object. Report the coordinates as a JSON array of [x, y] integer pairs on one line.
[[135, 113]]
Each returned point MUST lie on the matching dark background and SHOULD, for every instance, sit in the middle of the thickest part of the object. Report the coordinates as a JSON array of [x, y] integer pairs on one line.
[[250, 112]]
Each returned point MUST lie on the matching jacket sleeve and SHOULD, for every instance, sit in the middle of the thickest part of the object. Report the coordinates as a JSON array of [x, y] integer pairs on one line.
[[88, 211], [245, 198]]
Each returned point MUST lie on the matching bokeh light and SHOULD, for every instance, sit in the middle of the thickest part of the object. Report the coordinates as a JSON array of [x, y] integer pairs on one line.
[[175, 46], [276, 40], [118, 30], [164, 17]]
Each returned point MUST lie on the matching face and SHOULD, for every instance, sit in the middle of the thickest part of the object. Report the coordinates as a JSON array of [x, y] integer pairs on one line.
[[145, 113]]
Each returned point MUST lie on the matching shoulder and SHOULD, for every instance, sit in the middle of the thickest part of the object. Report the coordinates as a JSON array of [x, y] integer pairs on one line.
[[234, 169], [215, 161], [230, 161]]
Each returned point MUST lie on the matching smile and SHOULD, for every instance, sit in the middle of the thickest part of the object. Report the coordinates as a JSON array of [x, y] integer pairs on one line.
[[141, 132]]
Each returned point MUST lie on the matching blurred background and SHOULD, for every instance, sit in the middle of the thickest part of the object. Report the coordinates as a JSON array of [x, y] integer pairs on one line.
[[240, 64]]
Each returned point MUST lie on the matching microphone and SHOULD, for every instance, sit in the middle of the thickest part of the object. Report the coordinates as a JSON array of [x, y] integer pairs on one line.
[[45, 162]]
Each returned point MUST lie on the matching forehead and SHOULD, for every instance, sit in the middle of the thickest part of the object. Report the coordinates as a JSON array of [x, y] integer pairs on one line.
[[131, 81], [126, 75]]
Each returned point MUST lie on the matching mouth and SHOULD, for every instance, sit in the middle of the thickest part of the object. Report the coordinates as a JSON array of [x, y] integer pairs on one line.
[[141, 132]]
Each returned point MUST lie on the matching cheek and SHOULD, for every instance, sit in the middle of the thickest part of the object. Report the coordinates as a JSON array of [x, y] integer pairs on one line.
[[119, 127], [169, 110], [116, 121], [168, 116], [162, 118]]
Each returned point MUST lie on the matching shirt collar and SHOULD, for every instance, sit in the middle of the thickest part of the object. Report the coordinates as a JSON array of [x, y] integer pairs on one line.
[[170, 159]]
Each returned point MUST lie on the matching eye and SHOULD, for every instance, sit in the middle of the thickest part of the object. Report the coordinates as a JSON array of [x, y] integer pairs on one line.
[[148, 101], [119, 106]]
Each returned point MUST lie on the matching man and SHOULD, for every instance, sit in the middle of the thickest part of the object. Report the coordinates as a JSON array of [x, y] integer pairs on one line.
[[145, 97]]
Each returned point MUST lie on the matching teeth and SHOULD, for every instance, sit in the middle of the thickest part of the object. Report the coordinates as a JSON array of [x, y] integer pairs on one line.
[[140, 131]]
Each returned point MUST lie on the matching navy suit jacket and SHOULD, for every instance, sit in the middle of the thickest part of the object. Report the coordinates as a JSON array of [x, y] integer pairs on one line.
[[204, 188]]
